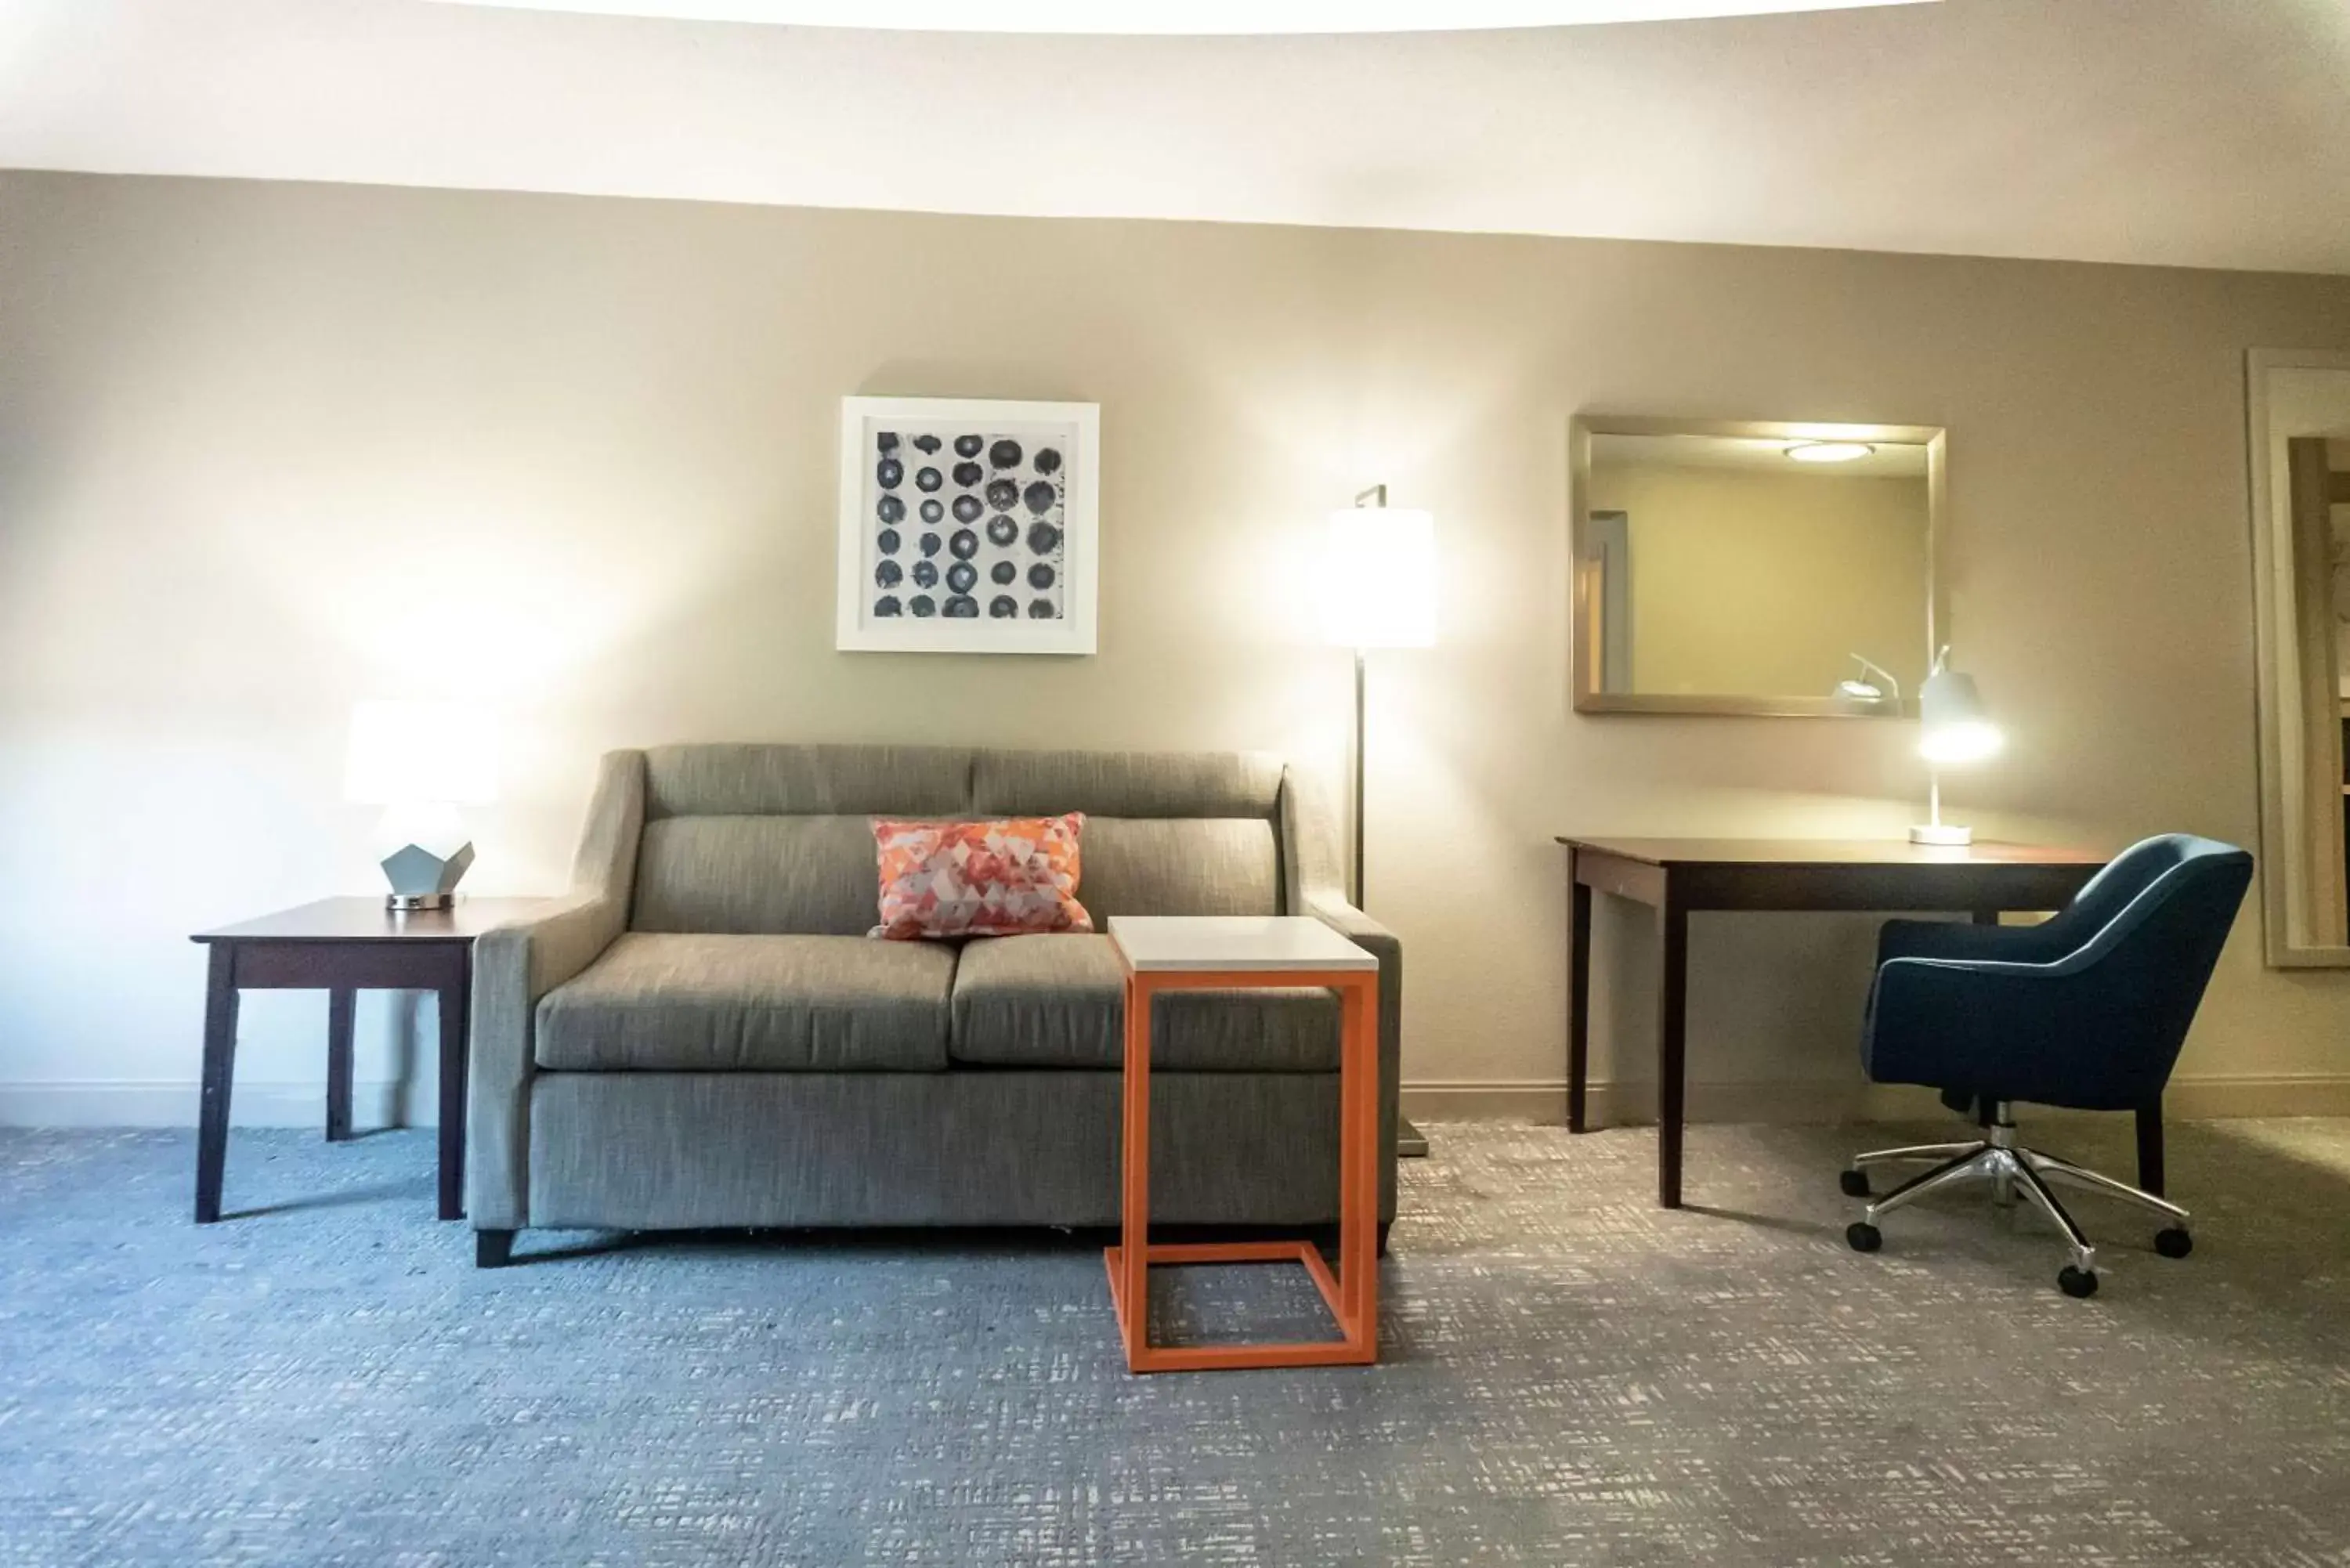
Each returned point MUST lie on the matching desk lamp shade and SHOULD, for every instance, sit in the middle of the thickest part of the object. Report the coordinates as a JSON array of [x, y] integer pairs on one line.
[[1955, 728], [420, 761]]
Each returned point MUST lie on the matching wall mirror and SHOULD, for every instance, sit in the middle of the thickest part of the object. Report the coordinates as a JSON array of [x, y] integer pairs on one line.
[[1752, 567], [2299, 406]]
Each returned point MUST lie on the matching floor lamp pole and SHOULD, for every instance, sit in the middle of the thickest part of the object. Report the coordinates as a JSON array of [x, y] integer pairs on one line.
[[1410, 1142], [1359, 779]]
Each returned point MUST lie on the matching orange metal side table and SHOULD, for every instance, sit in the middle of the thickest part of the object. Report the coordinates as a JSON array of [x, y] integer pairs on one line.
[[1169, 953]]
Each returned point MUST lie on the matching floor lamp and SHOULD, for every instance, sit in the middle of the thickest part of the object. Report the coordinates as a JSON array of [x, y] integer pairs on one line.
[[1379, 591]]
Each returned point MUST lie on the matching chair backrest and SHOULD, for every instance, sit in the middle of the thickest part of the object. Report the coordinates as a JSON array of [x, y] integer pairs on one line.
[[2151, 927], [778, 838]]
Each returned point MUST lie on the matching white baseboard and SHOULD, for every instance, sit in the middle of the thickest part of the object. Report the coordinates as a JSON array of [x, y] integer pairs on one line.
[[1543, 1101], [171, 1103]]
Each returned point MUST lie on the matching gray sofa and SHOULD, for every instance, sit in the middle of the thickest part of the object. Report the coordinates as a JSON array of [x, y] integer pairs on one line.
[[701, 1034]]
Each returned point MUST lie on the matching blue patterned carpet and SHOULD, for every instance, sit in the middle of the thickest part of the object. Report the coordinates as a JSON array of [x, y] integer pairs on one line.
[[1573, 1376]]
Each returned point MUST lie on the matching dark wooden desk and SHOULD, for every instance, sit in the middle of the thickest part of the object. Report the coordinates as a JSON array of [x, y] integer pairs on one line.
[[343, 945], [1675, 876]]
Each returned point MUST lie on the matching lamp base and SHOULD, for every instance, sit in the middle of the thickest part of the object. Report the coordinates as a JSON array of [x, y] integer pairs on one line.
[[408, 903], [1947, 836]]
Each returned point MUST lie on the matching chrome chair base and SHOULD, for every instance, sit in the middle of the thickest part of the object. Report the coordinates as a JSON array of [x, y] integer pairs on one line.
[[2012, 1170]]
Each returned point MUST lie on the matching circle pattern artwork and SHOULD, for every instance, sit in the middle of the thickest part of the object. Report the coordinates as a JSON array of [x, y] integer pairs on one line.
[[993, 505]]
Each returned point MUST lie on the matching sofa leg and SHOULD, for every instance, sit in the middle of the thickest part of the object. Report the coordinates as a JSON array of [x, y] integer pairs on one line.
[[1384, 1225], [493, 1249]]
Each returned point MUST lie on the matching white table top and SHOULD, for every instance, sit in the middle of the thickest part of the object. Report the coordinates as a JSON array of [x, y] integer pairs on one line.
[[1271, 943]]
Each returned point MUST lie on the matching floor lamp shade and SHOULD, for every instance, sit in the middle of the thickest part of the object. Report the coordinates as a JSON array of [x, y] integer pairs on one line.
[[1377, 578]]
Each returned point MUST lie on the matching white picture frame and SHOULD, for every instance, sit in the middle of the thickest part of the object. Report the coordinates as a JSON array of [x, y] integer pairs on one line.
[[931, 546]]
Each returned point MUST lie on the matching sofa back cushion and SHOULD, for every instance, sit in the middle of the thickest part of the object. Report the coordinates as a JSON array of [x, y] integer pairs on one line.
[[775, 839], [1167, 833], [757, 876]]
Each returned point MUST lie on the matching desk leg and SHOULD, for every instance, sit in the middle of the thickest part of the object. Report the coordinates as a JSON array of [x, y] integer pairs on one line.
[[2150, 1149], [220, 1069], [453, 1003], [1578, 999], [1672, 1046], [340, 1002]]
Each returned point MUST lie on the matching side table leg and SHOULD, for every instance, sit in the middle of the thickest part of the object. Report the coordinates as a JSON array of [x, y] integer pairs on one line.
[[340, 1003], [220, 1069], [1578, 999], [1672, 1048], [453, 1006]]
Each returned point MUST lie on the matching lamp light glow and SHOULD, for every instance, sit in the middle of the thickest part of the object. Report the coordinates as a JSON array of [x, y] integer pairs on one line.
[[1829, 451], [1377, 581]]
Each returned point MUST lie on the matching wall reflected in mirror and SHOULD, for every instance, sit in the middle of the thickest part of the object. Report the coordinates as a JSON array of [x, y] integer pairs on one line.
[[1753, 568], [2299, 406]]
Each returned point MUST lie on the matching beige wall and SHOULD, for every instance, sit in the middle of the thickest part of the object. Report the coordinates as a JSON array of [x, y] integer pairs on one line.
[[1767, 584], [267, 449]]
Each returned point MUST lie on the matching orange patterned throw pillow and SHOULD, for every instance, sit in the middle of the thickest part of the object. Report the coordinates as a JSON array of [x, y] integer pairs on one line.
[[980, 878]]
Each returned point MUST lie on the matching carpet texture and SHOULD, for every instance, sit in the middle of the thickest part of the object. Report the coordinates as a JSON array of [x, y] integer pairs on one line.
[[1572, 1376]]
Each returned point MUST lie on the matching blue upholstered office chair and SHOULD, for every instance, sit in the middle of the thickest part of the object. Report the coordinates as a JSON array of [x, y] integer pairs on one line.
[[2086, 1011]]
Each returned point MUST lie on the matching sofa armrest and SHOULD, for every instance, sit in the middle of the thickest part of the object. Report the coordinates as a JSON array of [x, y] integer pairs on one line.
[[1313, 885], [517, 963], [514, 966]]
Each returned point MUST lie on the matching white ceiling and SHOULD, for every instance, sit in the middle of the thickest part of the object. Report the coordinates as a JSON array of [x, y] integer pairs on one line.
[[2197, 132], [1173, 17]]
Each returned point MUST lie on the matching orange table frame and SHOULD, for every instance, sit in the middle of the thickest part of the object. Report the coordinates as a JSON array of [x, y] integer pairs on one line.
[[1352, 1293]]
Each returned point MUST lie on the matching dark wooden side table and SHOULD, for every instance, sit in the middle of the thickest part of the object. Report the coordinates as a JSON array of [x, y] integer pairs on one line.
[[1677, 876], [344, 946]]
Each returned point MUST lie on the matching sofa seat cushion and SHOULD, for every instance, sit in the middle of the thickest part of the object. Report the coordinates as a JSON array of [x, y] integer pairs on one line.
[[661, 1002], [1058, 1001]]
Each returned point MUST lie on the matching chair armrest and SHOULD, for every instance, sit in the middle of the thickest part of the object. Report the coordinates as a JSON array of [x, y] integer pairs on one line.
[[515, 965]]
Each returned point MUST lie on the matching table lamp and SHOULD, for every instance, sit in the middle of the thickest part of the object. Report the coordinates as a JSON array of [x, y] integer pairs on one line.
[[1378, 580], [420, 761], [1956, 727]]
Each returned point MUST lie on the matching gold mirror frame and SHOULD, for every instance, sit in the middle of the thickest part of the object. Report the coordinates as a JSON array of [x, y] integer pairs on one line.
[[1588, 631]]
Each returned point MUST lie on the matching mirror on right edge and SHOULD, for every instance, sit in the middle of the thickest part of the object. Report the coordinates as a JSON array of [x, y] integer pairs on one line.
[[1754, 567]]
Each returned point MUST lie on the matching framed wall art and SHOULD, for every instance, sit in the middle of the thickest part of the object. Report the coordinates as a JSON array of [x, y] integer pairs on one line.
[[968, 526]]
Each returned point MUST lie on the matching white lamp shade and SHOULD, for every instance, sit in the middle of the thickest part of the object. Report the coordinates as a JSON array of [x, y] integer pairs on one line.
[[1956, 726], [421, 753], [1377, 578]]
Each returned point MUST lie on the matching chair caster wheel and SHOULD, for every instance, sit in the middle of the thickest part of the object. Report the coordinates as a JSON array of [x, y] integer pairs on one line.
[[2078, 1283], [1855, 1183], [2174, 1242], [1863, 1237]]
